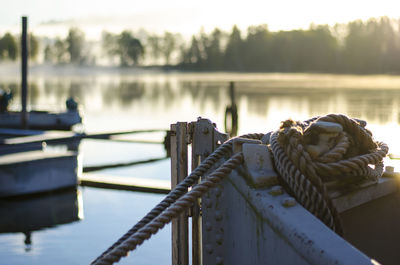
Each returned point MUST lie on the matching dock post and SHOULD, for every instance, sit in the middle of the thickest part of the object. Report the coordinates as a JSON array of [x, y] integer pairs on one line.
[[24, 72], [231, 113], [179, 170]]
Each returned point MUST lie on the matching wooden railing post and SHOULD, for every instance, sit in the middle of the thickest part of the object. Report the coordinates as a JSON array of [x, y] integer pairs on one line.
[[179, 170]]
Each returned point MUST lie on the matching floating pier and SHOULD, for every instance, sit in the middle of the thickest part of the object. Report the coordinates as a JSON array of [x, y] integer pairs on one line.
[[125, 183]]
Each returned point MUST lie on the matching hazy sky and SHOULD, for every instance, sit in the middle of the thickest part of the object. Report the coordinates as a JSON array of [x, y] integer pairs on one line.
[[187, 16]]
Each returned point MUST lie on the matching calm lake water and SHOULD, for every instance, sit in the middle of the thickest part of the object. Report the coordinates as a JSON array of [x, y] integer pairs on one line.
[[151, 100]]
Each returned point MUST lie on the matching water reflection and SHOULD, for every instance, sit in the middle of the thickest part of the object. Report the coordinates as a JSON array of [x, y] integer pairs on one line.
[[159, 95], [29, 214]]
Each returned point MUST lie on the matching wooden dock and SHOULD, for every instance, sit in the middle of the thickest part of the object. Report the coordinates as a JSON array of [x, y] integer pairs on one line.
[[125, 183]]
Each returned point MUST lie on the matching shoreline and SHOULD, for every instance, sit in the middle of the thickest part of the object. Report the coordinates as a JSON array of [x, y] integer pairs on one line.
[[10, 73], [13, 68]]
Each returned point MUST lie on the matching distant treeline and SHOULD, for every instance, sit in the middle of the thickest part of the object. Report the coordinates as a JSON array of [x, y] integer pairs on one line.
[[371, 46], [10, 47]]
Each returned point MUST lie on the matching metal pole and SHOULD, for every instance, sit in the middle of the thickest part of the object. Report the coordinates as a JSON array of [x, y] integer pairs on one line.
[[24, 72]]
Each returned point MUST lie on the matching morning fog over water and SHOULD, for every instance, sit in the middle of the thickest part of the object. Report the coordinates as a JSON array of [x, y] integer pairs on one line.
[[146, 99]]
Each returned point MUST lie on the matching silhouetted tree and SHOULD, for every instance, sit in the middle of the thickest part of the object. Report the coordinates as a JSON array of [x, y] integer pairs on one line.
[[130, 49], [169, 44], [193, 55], [257, 49], [110, 45], [33, 47], [75, 45], [154, 43], [8, 47], [49, 54], [60, 51], [234, 51], [213, 50]]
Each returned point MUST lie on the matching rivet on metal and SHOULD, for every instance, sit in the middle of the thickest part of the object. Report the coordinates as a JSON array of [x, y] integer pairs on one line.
[[218, 215], [218, 191], [289, 202], [389, 169], [219, 239], [209, 248], [208, 203], [219, 260], [276, 190], [208, 226]]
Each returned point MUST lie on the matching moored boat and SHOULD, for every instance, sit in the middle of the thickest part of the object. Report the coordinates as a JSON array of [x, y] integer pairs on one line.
[[38, 171], [42, 120]]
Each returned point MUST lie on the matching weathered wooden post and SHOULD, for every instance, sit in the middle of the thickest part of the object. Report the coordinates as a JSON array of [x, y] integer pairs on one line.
[[231, 113], [179, 170], [204, 138], [24, 72]]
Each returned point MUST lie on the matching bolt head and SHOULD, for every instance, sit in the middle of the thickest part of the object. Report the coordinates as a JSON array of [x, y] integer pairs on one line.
[[289, 202], [218, 216], [209, 248], [389, 169], [219, 239], [276, 190]]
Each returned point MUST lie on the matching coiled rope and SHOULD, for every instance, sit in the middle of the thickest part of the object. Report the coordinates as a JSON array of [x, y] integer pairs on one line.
[[348, 160], [305, 176], [148, 224]]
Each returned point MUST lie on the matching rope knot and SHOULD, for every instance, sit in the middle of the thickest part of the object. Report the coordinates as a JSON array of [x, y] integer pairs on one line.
[[332, 148]]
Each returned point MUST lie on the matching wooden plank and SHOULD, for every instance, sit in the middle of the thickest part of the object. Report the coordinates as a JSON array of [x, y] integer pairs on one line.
[[62, 136], [19, 132], [125, 164], [179, 171], [45, 137], [32, 155], [196, 216], [125, 183]]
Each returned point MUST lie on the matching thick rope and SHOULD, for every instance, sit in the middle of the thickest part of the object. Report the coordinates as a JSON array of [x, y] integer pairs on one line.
[[179, 190], [171, 212], [301, 173], [348, 160], [311, 194]]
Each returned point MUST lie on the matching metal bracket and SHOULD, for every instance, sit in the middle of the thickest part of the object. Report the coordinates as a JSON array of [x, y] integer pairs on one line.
[[206, 138], [259, 166]]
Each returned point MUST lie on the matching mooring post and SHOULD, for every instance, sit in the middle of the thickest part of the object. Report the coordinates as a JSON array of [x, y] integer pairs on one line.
[[24, 72], [179, 170], [231, 113]]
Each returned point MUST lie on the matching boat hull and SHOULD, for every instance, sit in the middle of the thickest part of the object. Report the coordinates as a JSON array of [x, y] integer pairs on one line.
[[41, 120], [37, 171]]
